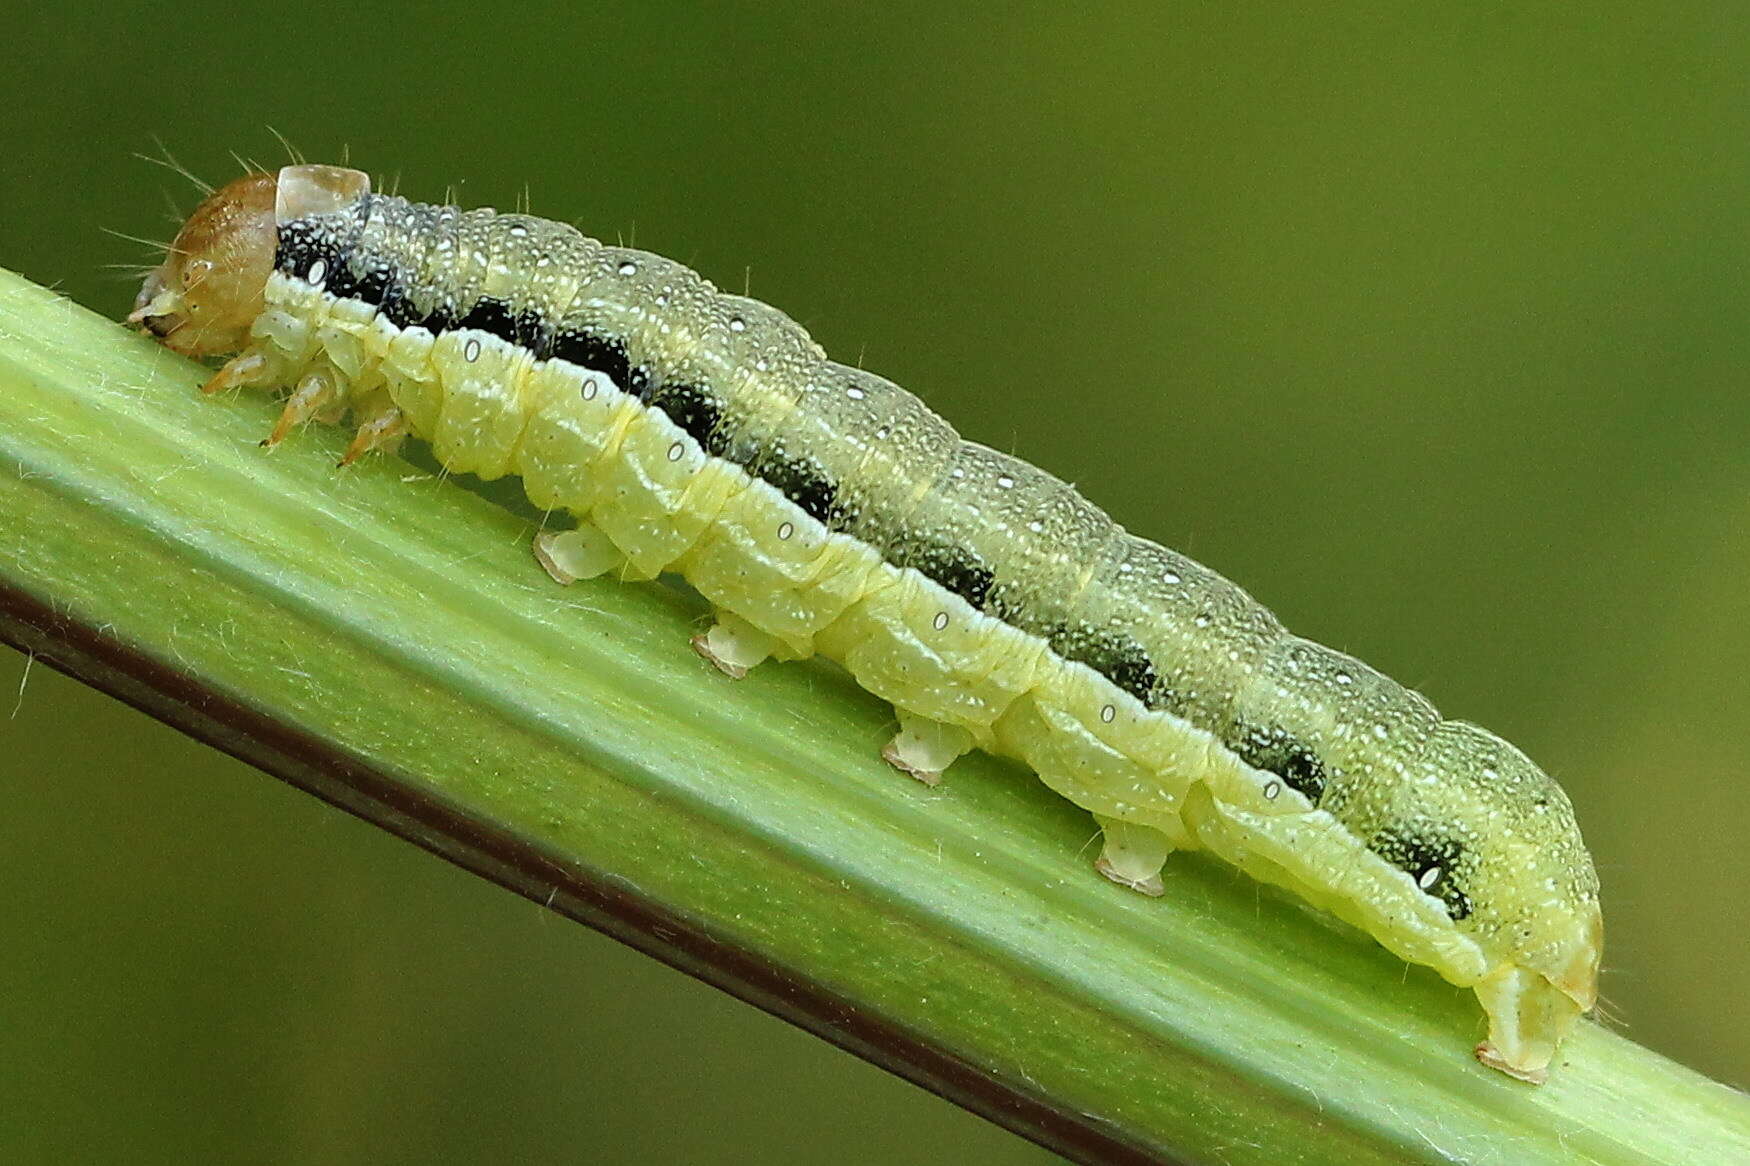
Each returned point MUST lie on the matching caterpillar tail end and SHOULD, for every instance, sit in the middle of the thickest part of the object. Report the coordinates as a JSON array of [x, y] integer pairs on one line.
[[1529, 1017]]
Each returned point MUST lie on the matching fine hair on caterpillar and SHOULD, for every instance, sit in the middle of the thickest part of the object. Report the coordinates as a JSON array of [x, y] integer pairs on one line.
[[822, 509]]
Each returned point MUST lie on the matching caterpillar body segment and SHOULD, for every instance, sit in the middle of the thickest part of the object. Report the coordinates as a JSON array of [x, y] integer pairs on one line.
[[823, 509]]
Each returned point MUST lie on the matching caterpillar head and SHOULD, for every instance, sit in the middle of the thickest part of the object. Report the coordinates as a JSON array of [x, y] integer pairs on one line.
[[208, 291]]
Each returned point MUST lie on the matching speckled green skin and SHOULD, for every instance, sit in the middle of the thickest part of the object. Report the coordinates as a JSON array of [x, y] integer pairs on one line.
[[1298, 764]]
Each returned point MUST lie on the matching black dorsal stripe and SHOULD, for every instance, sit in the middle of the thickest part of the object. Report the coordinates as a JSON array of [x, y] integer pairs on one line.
[[490, 315], [1435, 861], [300, 245], [399, 309], [368, 286], [698, 412], [603, 354], [1113, 655], [801, 480], [378, 281], [1275, 750], [957, 568]]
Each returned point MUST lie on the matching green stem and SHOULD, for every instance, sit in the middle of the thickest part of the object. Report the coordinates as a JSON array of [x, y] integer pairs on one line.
[[383, 638]]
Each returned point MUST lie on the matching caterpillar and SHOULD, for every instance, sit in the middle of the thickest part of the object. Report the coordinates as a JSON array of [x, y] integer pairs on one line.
[[822, 509]]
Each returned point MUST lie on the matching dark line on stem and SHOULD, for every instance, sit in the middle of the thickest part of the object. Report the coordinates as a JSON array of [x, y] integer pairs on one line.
[[591, 897]]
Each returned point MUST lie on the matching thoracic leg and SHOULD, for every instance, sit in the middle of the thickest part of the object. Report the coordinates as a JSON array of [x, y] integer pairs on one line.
[[924, 748], [1133, 855], [315, 392], [381, 428], [243, 369]]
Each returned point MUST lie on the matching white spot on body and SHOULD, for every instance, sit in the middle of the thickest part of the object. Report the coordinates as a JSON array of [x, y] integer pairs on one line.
[[1272, 789], [1005, 482], [318, 272], [787, 529], [589, 388], [854, 393], [941, 620], [737, 324], [628, 268], [675, 451], [1108, 713], [1429, 877], [1171, 578], [471, 351]]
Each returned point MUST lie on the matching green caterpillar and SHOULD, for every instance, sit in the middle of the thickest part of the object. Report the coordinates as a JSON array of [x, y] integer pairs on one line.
[[823, 509]]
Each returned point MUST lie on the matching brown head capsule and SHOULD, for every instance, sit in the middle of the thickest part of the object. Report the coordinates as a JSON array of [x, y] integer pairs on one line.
[[202, 299]]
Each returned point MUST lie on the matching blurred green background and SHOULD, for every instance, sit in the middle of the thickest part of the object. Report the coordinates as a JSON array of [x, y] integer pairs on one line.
[[1427, 324]]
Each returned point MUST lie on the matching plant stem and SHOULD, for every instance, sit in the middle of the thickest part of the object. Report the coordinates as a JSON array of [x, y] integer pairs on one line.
[[383, 639]]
